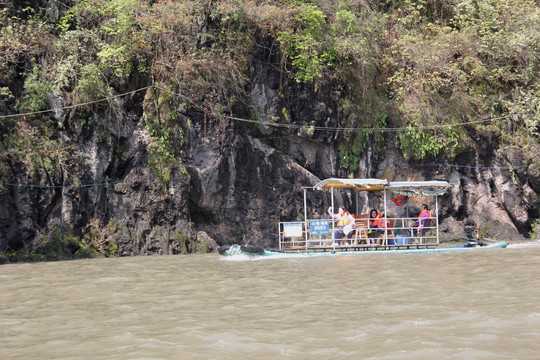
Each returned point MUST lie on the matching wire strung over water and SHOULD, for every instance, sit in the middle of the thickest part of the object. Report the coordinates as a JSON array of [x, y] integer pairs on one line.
[[258, 122]]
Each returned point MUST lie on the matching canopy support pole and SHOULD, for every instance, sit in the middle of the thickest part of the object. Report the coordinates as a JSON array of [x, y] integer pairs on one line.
[[385, 220], [332, 216], [437, 216], [305, 218], [357, 200]]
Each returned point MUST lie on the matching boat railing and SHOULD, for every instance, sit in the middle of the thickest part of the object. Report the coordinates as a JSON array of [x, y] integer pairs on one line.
[[320, 234]]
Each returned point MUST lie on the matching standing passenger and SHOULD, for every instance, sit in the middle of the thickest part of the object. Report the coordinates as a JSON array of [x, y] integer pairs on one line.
[[344, 224], [423, 220]]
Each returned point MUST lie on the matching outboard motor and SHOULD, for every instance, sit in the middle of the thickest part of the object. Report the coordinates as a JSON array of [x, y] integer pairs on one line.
[[222, 250], [471, 232]]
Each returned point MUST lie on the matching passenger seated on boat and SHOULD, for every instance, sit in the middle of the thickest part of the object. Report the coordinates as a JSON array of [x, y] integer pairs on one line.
[[424, 220], [348, 230], [377, 225], [384, 225], [345, 223], [375, 219]]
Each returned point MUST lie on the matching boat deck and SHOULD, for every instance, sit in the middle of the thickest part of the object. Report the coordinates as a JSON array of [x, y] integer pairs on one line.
[[307, 236], [373, 247]]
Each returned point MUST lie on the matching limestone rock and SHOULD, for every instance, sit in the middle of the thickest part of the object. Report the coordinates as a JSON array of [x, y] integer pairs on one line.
[[210, 244]]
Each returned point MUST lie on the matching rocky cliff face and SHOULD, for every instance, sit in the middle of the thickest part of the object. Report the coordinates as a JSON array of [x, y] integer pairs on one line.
[[234, 181]]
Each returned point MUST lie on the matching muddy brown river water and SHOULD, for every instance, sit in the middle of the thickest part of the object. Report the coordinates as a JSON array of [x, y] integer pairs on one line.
[[469, 305]]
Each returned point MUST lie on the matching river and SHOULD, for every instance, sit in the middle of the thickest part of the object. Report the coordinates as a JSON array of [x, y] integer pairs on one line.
[[482, 304]]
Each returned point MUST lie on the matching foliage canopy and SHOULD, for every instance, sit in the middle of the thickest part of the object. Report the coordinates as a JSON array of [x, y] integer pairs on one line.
[[413, 64]]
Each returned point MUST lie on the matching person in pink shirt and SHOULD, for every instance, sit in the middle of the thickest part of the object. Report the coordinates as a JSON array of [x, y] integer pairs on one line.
[[424, 219]]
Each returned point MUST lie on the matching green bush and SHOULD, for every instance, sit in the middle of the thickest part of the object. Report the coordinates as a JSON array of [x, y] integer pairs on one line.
[[534, 234], [37, 89], [308, 46]]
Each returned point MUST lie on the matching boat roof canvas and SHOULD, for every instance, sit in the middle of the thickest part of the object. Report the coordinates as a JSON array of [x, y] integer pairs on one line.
[[434, 183], [356, 184], [410, 188]]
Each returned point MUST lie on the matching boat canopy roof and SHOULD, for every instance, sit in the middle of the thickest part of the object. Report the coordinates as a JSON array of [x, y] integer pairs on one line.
[[356, 184], [409, 188], [418, 188]]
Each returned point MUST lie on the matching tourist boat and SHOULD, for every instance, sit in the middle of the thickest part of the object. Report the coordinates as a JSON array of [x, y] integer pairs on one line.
[[400, 232]]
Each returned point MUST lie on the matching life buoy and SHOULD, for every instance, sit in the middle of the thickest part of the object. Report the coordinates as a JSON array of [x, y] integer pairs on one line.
[[400, 200]]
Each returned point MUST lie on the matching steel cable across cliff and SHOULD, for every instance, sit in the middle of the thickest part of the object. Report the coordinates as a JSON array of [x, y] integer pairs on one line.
[[210, 112]]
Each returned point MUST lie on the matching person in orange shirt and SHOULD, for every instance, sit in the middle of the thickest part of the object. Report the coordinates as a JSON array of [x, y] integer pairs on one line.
[[374, 219], [376, 225]]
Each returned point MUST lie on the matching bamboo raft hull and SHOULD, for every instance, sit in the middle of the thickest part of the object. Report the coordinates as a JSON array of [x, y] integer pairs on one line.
[[404, 249]]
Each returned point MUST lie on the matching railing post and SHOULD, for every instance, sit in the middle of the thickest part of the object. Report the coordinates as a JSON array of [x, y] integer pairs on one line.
[[279, 236]]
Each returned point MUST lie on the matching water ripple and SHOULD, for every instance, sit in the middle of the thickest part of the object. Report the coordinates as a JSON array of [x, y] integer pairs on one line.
[[381, 306]]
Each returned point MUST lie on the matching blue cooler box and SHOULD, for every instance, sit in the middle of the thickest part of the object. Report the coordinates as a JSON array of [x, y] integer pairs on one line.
[[402, 240]]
